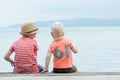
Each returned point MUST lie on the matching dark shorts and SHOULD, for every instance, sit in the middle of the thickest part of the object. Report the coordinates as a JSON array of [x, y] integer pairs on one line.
[[65, 70]]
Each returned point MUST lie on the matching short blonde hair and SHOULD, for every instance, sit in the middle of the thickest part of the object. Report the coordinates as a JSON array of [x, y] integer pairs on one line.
[[57, 28]]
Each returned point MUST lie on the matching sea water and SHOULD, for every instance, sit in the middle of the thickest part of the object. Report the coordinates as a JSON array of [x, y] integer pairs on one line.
[[98, 47]]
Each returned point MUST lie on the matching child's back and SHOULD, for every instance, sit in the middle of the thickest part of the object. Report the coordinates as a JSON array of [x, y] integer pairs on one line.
[[25, 48], [61, 49]]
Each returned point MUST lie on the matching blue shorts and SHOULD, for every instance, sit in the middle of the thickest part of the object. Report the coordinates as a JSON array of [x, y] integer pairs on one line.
[[40, 68]]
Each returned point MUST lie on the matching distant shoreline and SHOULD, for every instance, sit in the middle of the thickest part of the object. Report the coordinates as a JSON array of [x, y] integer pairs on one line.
[[77, 22]]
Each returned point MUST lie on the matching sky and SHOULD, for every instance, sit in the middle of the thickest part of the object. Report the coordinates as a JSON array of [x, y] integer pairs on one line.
[[20, 11]]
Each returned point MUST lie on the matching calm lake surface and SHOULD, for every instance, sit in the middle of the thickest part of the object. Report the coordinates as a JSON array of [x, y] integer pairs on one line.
[[99, 47]]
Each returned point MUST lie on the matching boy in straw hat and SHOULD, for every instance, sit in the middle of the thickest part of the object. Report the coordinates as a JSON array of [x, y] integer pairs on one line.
[[61, 49], [25, 48]]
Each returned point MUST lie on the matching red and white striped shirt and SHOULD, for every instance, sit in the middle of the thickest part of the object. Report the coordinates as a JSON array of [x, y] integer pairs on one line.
[[24, 49]]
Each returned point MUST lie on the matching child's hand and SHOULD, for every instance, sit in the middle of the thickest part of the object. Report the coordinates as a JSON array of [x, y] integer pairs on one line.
[[12, 63], [45, 70]]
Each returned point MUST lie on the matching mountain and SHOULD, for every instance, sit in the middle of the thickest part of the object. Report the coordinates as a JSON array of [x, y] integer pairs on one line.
[[78, 22], [83, 22]]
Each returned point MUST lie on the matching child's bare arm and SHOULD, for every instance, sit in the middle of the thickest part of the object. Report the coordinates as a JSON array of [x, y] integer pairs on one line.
[[48, 57], [35, 53], [7, 57], [74, 50]]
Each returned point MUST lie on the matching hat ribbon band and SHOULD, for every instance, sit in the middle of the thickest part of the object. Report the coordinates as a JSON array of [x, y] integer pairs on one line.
[[31, 31]]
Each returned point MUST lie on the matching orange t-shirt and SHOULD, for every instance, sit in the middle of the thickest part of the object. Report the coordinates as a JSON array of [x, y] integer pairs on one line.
[[61, 49]]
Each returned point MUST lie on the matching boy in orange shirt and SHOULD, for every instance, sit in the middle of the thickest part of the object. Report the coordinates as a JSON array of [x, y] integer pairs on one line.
[[25, 48], [61, 49]]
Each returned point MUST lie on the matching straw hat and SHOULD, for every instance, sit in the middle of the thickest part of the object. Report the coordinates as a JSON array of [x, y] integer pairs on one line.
[[29, 28]]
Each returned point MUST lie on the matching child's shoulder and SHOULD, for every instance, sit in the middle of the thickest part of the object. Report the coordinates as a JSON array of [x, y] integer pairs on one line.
[[66, 39]]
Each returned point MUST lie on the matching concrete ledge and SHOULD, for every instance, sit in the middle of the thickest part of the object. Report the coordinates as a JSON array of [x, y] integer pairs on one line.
[[68, 76], [9, 74]]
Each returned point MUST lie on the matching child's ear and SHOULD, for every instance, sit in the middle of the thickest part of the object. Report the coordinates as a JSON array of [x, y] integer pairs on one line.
[[62, 34], [51, 34]]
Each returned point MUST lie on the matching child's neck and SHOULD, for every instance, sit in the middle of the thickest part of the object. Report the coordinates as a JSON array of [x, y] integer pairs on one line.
[[58, 38]]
